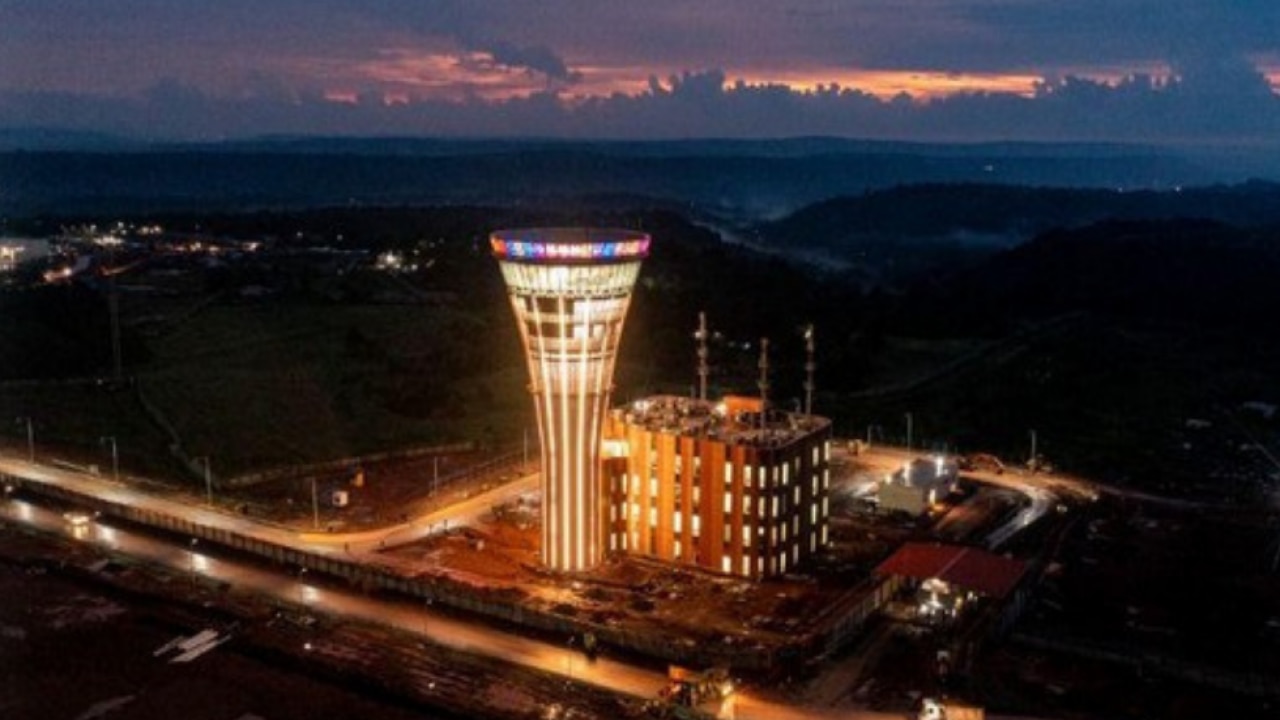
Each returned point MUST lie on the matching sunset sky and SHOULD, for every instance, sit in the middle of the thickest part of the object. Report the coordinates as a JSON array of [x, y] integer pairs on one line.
[[1172, 70]]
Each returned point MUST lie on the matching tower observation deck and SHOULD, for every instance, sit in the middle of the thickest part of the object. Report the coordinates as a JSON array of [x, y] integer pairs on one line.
[[570, 289]]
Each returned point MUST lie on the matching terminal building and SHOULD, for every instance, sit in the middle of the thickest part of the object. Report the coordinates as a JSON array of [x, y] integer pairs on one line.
[[716, 485]]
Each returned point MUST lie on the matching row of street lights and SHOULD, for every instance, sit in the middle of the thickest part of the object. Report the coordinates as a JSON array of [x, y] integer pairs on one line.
[[910, 428], [110, 440], [104, 440]]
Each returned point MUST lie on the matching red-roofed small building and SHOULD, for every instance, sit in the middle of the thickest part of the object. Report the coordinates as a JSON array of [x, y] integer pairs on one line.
[[949, 578]]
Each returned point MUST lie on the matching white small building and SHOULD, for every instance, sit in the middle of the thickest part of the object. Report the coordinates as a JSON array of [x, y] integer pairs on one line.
[[917, 485]]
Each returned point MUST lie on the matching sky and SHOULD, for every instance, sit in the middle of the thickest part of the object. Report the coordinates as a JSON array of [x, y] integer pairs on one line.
[[1175, 71]]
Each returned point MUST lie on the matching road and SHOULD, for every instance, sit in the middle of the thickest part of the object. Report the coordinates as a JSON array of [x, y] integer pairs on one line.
[[465, 512], [288, 587], [457, 633], [1043, 491]]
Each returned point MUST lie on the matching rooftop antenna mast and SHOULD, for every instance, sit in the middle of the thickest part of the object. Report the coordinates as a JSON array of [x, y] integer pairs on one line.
[[703, 371], [809, 367], [763, 382]]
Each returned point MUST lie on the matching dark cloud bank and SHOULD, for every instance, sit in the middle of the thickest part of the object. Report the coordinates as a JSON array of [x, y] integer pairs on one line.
[[1221, 101]]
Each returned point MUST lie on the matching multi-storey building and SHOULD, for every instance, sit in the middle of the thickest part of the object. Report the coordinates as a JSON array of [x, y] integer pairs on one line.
[[716, 485]]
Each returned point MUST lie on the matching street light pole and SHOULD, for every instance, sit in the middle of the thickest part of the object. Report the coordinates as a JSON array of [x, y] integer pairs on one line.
[[208, 480], [909, 429], [115, 457], [315, 505], [569, 659], [31, 438]]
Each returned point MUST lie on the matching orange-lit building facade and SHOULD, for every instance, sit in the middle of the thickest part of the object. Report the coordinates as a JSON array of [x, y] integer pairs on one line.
[[708, 484], [569, 290]]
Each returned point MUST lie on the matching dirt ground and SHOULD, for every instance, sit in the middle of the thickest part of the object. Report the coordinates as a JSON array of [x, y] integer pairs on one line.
[[688, 605], [68, 650]]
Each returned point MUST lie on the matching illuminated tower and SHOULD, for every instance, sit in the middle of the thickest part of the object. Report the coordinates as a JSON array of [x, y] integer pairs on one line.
[[570, 288]]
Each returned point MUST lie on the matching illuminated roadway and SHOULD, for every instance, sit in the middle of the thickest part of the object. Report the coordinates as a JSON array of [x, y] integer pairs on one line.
[[1042, 490], [468, 636]]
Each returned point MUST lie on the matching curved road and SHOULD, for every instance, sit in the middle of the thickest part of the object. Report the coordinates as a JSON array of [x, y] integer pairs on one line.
[[474, 637]]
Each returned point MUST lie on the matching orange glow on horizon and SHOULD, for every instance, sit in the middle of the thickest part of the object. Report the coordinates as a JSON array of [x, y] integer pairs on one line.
[[405, 76], [345, 97], [885, 84]]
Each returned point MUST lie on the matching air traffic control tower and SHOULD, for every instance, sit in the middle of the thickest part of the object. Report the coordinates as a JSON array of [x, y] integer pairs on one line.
[[570, 288]]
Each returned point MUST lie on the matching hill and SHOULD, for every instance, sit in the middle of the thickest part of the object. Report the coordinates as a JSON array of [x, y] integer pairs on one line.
[[889, 235], [737, 180]]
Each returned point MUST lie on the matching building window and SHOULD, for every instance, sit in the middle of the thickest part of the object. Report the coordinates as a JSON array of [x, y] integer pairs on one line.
[[726, 564], [728, 503]]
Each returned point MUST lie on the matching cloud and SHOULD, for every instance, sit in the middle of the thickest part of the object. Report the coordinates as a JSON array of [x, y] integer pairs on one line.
[[1238, 108], [1110, 69], [535, 58]]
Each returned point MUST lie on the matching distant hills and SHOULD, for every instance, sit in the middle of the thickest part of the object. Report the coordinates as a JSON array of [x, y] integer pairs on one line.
[[894, 234], [1175, 272], [48, 171]]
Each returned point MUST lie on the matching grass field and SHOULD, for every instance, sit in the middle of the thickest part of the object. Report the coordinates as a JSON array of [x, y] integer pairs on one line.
[[262, 386]]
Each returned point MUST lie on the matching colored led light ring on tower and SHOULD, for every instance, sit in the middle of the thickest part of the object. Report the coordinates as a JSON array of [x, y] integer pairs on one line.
[[570, 289]]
